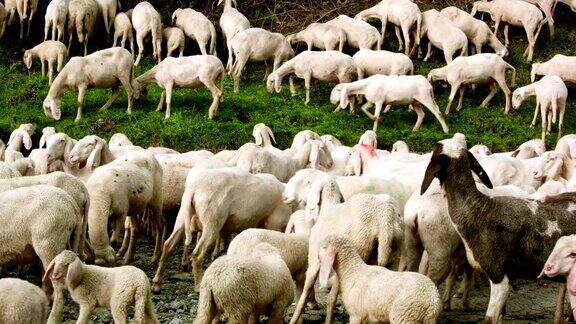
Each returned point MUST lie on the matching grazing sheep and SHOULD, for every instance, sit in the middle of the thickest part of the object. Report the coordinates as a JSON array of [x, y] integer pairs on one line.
[[560, 65], [256, 45], [49, 52], [196, 26], [326, 66], [108, 10], [477, 31], [146, 19], [322, 36], [551, 94], [187, 72], [175, 39], [231, 22], [412, 90], [397, 297], [107, 68], [123, 28], [22, 302], [25, 10], [369, 62], [403, 14], [359, 34], [55, 18], [516, 13], [476, 69], [82, 17], [443, 34], [243, 287], [92, 286]]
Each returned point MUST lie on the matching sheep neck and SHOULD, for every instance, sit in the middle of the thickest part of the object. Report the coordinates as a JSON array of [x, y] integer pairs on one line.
[[347, 264], [59, 85], [107, 155], [147, 77]]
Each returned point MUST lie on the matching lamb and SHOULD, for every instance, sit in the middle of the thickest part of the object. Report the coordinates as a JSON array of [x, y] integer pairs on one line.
[[369, 62], [49, 52], [396, 297], [91, 286], [123, 28], [190, 72], [22, 302], [82, 16], [322, 36], [55, 18], [498, 223], [551, 95], [443, 34], [394, 90], [327, 66], [25, 10], [530, 149], [20, 136], [359, 34], [232, 22], [256, 45], [108, 10], [175, 39], [107, 68], [516, 13], [402, 14], [235, 210], [477, 31], [476, 69], [146, 19], [245, 286], [560, 65], [196, 26]]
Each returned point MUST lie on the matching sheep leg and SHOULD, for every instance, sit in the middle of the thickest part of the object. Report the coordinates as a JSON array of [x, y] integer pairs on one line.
[[43, 63], [118, 310], [50, 72], [57, 304], [203, 48], [383, 29], [168, 91], [429, 53], [140, 42], [331, 299], [129, 257], [81, 92], [292, 87], [453, 92], [531, 35], [497, 26], [377, 112], [501, 80], [559, 312], [210, 235], [115, 94], [54, 36], [311, 275], [161, 102], [406, 33], [535, 114], [86, 310], [365, 108], [498, 294], [493, 90], [549, 127], [237, 71], [60, 33], [430, 104], [216, 96], [461, 98], [307, 81], [399, 36], [125, 80], [562, 108], [181, 49], [46, 30], [448, 289], [167, 249], [266, 71], [85, 45], [29, 27], [465, 286]]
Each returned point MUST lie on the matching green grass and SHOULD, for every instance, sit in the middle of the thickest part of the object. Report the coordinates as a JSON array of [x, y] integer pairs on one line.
[[21, 96]]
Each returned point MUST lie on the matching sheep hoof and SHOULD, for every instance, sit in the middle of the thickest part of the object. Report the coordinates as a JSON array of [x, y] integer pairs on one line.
[[156, 288]]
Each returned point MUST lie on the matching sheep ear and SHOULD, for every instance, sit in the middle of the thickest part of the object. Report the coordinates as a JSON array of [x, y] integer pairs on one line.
[[27, 140], [515, 153], [290, 226], [42, 141], [436, 168], [477, 168], [326, 265], [313, 201], [48, 272], [67, 149], [314, 154], [556, 169], [75, 274], [95, 157], [271, 134]]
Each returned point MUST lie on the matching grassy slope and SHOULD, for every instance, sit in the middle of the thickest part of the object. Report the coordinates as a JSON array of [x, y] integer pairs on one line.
[[21, 97]]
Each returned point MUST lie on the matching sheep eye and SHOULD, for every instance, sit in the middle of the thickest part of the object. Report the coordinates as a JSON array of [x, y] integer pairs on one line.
[[572, 255]]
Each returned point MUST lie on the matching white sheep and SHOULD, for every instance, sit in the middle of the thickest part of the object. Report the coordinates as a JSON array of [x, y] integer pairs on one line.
[[551, 95], [107, 68], [196, 26], [326, 66], [516, 13], [123, 29], [55, 18], [359, 34], [22, 302], [560, 65], [322, 36], [394, 90], [471, 70], [232, 22], [369, 62], [108, 10], [146, 19], [175, 40], [49, 52], [82, 18], [477, 31], [256, 45], [243, 287], [376, 293], [25, 10], [19, 137], [443, 34], [403, 14], [91, 286], [187, 72]]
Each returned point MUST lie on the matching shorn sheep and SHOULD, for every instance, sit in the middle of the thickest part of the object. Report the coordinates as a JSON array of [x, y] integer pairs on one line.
[[108, 10], [186, 72], [22, 302], [359, 34], [551, 94], [443, 34], [373, 293], [322, 36], [471, 70], [175, 40], [326, 66], [107, 68], [403, 14], [145, 20], [232, 22], [82, 18], [491, 227], [49, 52], [560, 65], [123, 31], [55, 18], [370, 62], [196, 26]]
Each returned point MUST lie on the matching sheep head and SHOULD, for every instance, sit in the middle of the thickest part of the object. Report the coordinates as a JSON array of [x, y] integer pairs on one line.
[[139, 89], [46, 133], [551, 165], [562, 259], [273, 83], [28, 59], [58, 268], [518, 97], [335, 94], [87, 152], [263, 135], [58, 147], [52, 108], [323, 190]]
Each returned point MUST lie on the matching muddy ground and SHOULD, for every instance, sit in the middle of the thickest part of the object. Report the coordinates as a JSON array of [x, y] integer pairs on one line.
[[177, 303]]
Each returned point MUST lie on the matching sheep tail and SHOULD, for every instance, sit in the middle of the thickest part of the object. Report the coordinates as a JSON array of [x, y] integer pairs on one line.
[[342, 41], [79, 22], [418, 30], [513, 69], [213, 40], [61, 59], [206, 305]]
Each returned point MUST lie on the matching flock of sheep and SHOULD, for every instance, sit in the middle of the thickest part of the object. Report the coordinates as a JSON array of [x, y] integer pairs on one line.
[[316, 210]]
